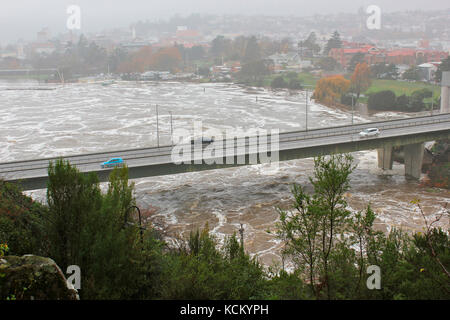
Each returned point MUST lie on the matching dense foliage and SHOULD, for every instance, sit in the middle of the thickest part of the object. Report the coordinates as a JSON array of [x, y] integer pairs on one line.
[[21, 221], [332, 246], [334, 42], [387, 100], [383, 100], [329, 245], [330, 89]]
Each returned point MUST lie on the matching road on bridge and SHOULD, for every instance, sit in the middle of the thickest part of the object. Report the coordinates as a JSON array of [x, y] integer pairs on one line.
[[154, 156]]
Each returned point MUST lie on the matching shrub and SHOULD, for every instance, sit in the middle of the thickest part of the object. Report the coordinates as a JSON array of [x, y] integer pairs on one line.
[[416, 102], [200, 271], [402, 102], [347, 99], [295, 84], [383, 100], [278, 83], [21, 221]]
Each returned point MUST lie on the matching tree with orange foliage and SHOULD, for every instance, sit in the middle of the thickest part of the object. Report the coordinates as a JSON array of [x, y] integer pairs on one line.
[[360, 80], [166, 59], [138, 62], [330, 89]]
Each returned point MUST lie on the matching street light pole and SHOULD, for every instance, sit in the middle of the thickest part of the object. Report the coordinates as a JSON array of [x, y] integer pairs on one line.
[[353, 109], [171, 128], [157, 125], [306, 105], [432, 100]]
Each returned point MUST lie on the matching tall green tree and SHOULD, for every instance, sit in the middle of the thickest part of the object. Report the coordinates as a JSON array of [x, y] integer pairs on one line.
[[218, 47], [89, 229], [72, 197], [311, 230], [254, 69], [309, 47], [358, 58], [334, 42], [252, 50]]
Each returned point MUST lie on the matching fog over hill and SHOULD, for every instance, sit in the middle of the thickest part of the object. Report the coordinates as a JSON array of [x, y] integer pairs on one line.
[[23, 18]]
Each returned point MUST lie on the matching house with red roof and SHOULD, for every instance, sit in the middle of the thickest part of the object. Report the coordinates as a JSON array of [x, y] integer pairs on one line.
[[344, 55], [373, 55]]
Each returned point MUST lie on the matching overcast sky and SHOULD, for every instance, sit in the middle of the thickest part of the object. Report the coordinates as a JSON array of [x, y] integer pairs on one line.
[[23, 18]]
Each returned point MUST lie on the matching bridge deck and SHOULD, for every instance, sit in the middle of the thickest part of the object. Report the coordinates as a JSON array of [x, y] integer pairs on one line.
[[32, 174]]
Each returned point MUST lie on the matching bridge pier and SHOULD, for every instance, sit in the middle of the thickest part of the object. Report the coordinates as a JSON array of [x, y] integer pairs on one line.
[[413, 159], [385, 158]]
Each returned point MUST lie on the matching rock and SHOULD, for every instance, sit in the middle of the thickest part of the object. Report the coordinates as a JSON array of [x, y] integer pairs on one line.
[[33, 278]]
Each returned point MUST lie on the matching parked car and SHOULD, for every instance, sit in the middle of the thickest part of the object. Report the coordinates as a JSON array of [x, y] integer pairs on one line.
[[370, 132], [202, 140], [112, 163]]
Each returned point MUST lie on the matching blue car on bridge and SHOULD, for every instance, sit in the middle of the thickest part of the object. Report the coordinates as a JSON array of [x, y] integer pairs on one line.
[[112, 163]]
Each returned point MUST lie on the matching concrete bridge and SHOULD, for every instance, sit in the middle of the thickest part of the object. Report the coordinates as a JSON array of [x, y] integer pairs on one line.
[[158, 161]]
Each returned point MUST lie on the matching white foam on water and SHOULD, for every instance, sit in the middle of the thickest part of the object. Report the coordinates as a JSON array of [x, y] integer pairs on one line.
[[94, 118]]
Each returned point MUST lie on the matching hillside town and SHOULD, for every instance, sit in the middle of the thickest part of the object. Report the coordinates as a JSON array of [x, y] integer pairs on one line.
[[217, 47]]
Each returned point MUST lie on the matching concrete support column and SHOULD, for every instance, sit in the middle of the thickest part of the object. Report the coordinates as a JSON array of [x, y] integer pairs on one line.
[[445, 104], [385, 158], [413, 159]]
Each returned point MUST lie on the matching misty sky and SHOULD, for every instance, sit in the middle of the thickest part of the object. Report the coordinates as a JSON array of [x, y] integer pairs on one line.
[[23, 18]]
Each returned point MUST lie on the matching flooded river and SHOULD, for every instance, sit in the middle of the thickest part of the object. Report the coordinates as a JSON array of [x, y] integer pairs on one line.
[[79, 118]]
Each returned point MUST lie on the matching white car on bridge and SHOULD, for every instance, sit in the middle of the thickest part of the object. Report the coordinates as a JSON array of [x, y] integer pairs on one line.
[[370, 132]]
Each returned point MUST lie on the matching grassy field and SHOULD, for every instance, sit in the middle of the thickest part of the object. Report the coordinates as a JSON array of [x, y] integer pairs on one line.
[[398, 87], [308, 79], [401, 87]]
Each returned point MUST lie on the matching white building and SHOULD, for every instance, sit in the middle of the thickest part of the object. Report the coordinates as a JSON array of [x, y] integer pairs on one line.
[[428, 70]]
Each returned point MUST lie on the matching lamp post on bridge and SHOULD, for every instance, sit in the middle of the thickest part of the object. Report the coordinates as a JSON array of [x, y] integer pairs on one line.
[[432, 100], [353, 107], [306, 104], [171, 128], [157, 125]]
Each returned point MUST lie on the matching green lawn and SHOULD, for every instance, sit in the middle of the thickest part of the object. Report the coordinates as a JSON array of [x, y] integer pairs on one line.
[[307, 79], [401, 87]]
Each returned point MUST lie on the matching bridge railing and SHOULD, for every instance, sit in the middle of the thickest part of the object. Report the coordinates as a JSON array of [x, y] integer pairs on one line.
[[333, 131], [96, 158]]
